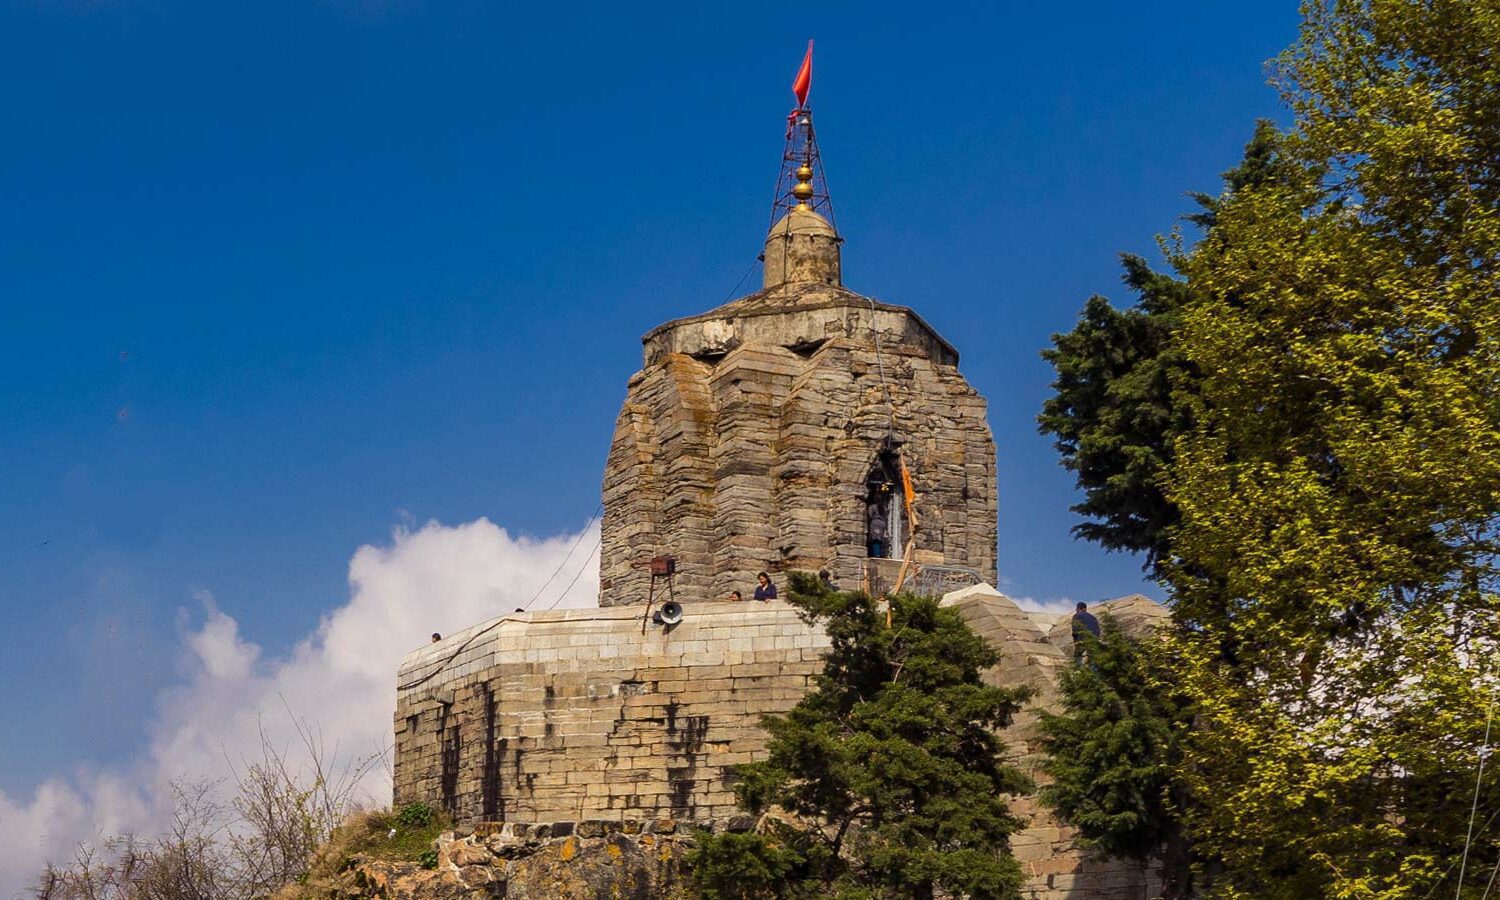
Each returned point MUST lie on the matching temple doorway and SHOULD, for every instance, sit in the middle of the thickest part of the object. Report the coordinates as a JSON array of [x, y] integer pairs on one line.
[[883, 519]]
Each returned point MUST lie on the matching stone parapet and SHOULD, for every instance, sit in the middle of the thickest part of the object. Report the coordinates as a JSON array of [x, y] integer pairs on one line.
[[797, 316]]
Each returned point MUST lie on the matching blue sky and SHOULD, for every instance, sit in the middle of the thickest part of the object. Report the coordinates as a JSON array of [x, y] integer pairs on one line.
[[277, 278]]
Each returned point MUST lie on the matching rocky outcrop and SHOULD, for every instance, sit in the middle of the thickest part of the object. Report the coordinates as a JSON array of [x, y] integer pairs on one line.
[[621, 860]]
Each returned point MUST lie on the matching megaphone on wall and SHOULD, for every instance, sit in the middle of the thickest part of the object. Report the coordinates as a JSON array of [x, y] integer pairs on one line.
[[669, 614]]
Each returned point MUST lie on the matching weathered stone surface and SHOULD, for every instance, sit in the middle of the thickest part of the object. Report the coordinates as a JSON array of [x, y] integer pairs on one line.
[[1136, 614], [464, 853], [740, 824], [614, 866], [596, 828], [746, 441], [398, 881], [579, 721], [564, 868], [577, 715], [802, 247]]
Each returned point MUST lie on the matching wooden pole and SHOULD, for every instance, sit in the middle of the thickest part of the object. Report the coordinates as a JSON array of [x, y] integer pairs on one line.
[[650, 599], [901, 575]]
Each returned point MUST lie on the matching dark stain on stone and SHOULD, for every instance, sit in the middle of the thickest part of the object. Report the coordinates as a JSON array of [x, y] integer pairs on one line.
[[491, 804], [685, 735], [688, 738], [682, 782]]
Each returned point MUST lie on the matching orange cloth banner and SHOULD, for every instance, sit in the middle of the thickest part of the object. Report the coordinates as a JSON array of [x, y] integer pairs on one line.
[[803, 82]]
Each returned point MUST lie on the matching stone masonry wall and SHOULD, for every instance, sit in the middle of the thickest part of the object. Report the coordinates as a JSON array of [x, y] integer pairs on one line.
[[576, 715]]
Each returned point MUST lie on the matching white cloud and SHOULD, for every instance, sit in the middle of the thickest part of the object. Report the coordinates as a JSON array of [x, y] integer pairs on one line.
[[1054, 605], [339, 681]]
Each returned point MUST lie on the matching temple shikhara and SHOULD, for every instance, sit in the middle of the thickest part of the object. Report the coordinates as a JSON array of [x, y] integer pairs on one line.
[[801, 427], [768, 434]]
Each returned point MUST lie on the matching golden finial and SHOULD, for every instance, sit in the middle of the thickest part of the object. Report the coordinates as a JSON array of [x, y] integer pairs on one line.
[[803, 189]]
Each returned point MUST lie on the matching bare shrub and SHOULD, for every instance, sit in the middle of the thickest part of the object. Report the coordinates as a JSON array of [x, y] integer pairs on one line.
[[281, 806], [184, 863], [286, 811]]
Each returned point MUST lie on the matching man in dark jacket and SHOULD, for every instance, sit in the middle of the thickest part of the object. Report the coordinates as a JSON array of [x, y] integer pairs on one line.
[[1085, 628]]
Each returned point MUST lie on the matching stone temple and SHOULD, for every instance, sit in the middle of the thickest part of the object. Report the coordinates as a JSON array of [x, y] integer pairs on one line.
[[773, 433], [759, 436]]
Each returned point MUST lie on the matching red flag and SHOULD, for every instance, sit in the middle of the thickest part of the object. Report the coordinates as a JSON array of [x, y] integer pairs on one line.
[[803, 81]]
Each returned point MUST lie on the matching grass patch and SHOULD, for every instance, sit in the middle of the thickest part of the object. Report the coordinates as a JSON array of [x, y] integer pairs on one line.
[[403, 835]]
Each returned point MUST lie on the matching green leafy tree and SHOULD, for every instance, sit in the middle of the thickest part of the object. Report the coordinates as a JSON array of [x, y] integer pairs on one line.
[[891, 765], [1333, 568], [1331, 470], [1111, 752]]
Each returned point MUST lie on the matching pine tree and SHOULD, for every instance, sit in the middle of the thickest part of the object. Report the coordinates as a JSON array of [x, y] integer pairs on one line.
[[892, 765], [1118, 401], [1111, 752]]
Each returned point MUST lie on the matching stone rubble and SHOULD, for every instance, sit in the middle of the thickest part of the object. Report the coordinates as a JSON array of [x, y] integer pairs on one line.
[[556, 861]]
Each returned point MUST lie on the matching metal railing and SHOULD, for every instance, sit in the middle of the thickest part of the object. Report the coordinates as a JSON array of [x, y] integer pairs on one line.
[[878, 576]]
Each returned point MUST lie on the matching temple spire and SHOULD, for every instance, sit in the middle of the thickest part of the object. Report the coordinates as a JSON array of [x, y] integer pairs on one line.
[[803, 244]]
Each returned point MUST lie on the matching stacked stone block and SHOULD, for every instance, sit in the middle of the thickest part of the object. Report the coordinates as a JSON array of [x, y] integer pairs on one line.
[[746, 441], [579, 715]]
